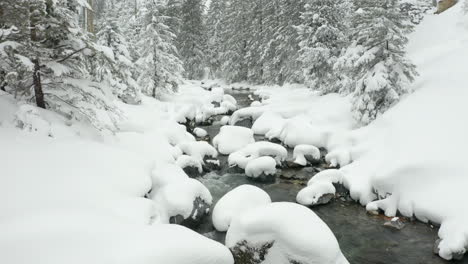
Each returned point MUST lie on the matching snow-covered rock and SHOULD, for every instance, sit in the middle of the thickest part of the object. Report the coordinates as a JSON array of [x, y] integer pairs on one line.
[[192, 166], [183, 202], [224, 120], [198, 150], [255, 150], [232, 138], [266, 122], [236, 202], [303, 153], [320, 188], [261, 167], [246, 113], [200, 132], [283, 233]]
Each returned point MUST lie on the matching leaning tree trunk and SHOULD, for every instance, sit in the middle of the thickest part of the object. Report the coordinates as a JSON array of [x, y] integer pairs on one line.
[[38, 92]]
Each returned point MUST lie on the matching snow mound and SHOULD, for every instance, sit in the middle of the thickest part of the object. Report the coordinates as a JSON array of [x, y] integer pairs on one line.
[[186, 161], [232, 138], [177, 198], [319, 185], [198, 150], [260, 166], [245, 113], [235, 202], [301, 151], [296, 232], [165, 174], [224, 120], [200, 132], [266, 122], [255, 150]]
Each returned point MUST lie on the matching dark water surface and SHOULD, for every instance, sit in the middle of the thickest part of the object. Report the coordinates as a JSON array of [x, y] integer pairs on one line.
[[362, 237]]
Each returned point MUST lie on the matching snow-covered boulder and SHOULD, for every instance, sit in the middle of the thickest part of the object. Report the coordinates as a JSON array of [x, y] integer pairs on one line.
[[192, 166], [200, 132], [255, 150], [235, 202], [224, 120], [281, 233], [304, 153], [183, 202], [198, 150], [250, 113], [263, 168], [232, 138], [266, 122], [320, 188]]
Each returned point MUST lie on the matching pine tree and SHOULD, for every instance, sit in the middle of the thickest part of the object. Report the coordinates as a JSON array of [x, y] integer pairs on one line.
[[50, 53], [115, 66], [285, 40], [215, 24], [191, 38], [376, 58], [234, 44], [322, 38], [159, 64]]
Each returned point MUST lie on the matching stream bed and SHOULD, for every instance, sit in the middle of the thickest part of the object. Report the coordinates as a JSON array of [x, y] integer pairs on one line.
[[363, 238]]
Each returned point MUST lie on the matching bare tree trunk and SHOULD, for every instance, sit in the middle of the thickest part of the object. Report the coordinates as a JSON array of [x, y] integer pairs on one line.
[[38, 93], [90, 17]]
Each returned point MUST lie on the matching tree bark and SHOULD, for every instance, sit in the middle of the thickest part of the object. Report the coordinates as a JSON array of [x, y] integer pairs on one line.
[[38, 92], [90, 17]]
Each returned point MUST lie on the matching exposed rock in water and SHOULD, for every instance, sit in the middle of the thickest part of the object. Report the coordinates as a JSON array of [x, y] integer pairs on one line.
[[245, 253], [211, 165], [199, 211], [395, 223], [263, 178], [235, 170], [248, 122], [304, 174], [192, 172], [324, 199]]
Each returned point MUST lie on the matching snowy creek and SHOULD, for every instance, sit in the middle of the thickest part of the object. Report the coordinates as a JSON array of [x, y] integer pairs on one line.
[[363, 237]]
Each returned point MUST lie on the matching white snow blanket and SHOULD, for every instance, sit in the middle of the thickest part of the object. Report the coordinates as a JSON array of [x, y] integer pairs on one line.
[[77, 196]]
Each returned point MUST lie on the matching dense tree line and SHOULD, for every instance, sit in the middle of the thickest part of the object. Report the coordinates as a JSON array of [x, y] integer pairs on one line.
[[75, 56]]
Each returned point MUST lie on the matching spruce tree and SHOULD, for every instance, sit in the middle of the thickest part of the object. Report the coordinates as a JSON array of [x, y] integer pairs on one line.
[[115, 68], [376, 59], [159, 65], [323, 35], [215, 24], [191, 38]]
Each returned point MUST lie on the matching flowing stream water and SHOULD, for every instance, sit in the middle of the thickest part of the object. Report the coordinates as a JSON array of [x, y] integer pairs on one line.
[[363, 238]]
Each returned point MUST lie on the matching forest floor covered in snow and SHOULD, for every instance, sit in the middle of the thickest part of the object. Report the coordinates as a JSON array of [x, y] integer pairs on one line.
[[74, 195]]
